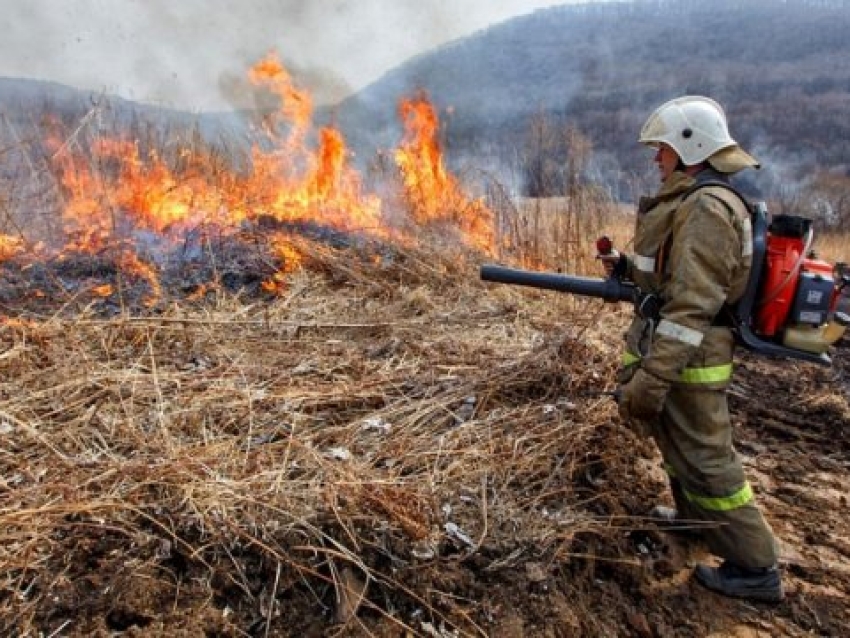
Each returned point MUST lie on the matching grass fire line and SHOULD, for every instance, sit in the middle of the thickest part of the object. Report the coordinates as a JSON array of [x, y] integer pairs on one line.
[[144, 207]]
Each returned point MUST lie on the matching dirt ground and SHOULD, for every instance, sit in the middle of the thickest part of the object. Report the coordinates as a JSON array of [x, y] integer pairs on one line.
[[529, 567]]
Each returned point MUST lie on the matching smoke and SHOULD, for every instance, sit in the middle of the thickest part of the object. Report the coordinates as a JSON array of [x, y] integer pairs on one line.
[[194, 53]]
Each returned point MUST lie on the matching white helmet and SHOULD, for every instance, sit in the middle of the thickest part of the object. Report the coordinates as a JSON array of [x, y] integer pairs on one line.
[[694, 126]]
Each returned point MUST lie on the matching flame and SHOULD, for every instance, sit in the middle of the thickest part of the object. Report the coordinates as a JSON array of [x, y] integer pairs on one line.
[[142, 193], [290, 260], [104, 290], [130, 263], [10, 247], [200, 292], [433, 194], [296, 183], [119, 191], [19, 323], [296, 108]]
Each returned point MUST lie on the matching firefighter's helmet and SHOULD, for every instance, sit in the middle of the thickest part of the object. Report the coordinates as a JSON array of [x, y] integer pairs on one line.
[[694, 126]]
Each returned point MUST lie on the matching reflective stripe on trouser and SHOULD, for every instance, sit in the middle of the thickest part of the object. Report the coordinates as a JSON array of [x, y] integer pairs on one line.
[[732, 501], [710, 374], [694, 435]]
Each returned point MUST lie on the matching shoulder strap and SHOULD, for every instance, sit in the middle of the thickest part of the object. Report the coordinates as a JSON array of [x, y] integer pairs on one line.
[[730, 314], [710, 177]]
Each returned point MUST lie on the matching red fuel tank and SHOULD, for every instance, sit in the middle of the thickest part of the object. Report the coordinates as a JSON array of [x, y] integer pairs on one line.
[[782, 266]]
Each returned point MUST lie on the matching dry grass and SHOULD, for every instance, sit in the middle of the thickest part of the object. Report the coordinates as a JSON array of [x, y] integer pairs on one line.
[[559, 233], [364, 427], [833, 247], [340, 450]]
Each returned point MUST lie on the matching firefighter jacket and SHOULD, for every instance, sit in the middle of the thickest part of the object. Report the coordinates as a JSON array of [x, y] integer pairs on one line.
[[693, 250]]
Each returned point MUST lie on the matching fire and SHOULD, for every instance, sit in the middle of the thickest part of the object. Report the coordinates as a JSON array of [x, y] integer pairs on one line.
[[143, 191], [433, 194], [10, 247], [295, 182], [104, 290], [123, 195], [290, 260], [129, 262], [296, 109]]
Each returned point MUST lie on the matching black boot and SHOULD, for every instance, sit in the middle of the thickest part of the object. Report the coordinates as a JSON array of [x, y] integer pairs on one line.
[[731, 580]]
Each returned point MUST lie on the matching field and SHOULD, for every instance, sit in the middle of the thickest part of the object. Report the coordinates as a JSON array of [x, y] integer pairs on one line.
[[386, 449]]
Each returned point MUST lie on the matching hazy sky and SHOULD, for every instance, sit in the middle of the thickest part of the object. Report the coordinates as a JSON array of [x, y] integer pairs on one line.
[[194, 53]]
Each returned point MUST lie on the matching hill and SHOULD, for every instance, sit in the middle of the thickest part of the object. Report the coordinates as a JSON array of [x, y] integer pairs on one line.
[[22, 100], [780, 68], [29, 108]]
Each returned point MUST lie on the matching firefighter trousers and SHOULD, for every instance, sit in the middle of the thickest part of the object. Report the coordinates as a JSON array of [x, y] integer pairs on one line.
[[694, 435]]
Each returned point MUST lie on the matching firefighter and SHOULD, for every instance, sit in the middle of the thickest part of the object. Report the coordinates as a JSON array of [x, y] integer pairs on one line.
[[692, 249]]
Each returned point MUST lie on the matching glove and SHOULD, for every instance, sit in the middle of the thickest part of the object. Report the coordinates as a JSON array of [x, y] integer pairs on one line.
[[613, 263], [642, 398]]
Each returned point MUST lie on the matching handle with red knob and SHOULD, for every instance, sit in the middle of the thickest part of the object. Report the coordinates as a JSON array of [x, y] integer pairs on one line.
[[604, 245]]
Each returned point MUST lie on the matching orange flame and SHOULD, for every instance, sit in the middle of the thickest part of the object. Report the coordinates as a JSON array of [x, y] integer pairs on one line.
[[432, 193], [125, 186], [289, 258], [129, 262], [10, 247], [297, 183], [296, 108], [104, 290]]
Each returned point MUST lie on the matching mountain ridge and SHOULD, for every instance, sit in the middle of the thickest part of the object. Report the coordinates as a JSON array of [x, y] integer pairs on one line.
[[779, 69]]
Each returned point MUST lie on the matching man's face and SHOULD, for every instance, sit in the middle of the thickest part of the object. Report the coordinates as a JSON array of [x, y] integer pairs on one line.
[[666, 159]]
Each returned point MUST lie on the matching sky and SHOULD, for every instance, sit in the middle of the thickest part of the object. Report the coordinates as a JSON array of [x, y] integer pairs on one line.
[[194, 54]]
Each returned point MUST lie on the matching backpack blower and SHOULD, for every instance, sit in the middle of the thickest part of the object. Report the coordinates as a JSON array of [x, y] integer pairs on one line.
[[794, 306]]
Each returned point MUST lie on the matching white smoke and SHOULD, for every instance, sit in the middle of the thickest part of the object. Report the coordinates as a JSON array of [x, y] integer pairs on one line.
[[194, 53]]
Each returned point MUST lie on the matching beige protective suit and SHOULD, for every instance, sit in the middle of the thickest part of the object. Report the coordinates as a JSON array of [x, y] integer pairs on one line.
[[694, 252]]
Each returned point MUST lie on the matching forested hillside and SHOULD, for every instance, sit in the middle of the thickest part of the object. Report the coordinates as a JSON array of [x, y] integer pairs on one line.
[[782, 69]]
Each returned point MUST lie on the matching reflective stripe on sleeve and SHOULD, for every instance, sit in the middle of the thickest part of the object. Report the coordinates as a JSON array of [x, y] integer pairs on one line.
[[644, 264], [747, 238], [679, 332]]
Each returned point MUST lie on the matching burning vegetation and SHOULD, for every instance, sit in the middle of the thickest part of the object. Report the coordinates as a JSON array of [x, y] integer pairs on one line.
[[146, 213]]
